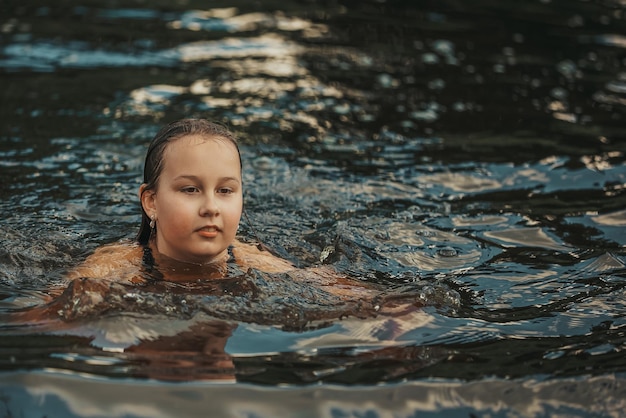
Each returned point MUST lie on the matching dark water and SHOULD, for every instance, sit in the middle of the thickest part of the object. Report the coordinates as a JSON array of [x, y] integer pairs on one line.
[[468, 154]]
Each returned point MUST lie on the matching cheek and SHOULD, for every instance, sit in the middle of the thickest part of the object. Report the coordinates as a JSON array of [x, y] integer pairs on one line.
[[174, 215], [177, 221], [234, 212]]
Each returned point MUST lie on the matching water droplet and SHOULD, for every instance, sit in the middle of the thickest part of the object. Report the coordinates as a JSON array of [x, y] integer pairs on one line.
[[386, 80], [567, 68], [447, 252], [430, 58], [382, 235], [326, 253], [425, 233]]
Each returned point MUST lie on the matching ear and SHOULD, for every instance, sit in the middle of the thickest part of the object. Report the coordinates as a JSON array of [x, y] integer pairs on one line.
[[146, 197]]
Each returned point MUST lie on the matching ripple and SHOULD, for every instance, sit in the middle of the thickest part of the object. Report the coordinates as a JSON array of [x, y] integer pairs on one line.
[[528, 237], [269, 45], [447, 252], [426, 248], [133, 14], [50, 55], [460, 182], [228, 20], [617, 218]]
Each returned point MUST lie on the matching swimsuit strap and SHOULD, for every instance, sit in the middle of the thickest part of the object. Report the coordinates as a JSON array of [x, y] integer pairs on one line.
[[148, 264], [232, 268], [147, 259]]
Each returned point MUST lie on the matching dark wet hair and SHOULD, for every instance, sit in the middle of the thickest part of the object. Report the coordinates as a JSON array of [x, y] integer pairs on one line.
[[154, 156]]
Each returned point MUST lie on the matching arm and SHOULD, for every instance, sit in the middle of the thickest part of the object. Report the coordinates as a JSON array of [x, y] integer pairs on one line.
[[323, 277], [114, 262]]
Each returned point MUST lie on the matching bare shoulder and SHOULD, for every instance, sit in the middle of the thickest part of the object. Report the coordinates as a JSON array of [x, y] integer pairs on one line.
[[117, 262], [324, 277], [250, 256]]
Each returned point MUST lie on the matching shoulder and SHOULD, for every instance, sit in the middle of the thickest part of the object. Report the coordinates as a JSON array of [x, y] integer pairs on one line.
[[118, 252], [250, 256], [324, 277], [116, 262]]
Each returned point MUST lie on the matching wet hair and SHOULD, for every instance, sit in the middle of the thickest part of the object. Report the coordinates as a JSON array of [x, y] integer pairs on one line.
[[154, 156]]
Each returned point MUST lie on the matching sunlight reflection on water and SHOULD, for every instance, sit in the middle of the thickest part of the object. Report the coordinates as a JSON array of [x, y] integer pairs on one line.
[[475, 159]]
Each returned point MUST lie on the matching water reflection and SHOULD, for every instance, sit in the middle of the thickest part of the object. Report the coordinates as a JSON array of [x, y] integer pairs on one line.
[[473, 156], [534, 397]]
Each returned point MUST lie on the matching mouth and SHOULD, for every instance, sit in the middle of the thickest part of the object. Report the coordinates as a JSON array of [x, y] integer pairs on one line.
[[208, 231]]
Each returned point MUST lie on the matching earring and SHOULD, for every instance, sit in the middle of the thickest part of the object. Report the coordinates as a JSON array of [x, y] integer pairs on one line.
[[152, 222]]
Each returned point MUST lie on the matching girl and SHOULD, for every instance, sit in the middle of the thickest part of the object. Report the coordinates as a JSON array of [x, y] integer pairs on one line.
[[192, 202]]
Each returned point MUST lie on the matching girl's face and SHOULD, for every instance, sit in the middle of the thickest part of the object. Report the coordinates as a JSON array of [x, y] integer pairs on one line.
[[198, 199]]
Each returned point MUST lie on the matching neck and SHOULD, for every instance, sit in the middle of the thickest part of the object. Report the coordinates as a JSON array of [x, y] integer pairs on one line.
[[181, 271]]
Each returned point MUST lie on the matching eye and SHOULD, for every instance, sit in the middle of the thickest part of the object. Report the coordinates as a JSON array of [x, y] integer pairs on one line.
[[225, 190], [189, 189]]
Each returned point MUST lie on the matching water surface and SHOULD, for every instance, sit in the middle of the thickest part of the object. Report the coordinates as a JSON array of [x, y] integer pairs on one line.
[[470, 156]]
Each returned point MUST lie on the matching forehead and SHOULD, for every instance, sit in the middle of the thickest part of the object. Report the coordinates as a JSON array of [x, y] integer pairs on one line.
[[188, 144], [206, 157], [197, 139]]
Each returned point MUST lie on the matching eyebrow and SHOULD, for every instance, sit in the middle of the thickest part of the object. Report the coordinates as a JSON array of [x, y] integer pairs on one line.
[[196, 178]]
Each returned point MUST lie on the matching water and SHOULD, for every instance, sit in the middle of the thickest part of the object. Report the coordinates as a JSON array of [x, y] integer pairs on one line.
[[471, 157]]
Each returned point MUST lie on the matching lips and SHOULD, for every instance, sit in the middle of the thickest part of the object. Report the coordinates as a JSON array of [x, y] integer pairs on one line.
[[208, 231]]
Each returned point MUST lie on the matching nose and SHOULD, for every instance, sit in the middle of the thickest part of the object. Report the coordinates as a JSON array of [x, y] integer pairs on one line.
[[209, 206]]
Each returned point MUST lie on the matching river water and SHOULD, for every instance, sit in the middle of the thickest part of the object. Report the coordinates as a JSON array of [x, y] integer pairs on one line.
[[471, 156]]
